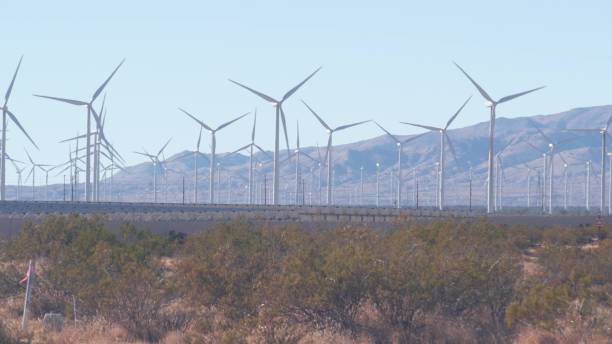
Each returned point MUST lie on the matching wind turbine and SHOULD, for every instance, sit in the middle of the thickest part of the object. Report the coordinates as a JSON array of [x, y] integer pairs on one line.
[[443, 137], [213, 147], [6, 112], [156, 162], [19, 171], [328, 153], [251, 147], [603, 132], [33, 173], [280, 115], [500, 167], [90, 112], [492, 104], [400, 147]]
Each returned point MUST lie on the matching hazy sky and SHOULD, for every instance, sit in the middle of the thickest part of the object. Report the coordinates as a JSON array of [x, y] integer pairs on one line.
[[384, 60]]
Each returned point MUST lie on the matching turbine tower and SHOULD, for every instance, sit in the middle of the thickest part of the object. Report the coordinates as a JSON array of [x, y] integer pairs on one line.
[[213, 147], [6, 112], [400, 147], [492, 105], [90, 112], [328, 153], [280, 115], [603, 132], [443, 137]]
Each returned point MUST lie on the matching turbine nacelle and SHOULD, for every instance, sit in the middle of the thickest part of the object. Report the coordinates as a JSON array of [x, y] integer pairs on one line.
[[489, 104]]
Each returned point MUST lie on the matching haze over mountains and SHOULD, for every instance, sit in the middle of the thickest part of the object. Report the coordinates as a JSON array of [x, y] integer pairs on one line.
[[470, 143]]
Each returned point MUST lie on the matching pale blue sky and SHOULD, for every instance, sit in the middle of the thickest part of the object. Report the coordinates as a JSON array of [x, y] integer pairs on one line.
[[383, 60]]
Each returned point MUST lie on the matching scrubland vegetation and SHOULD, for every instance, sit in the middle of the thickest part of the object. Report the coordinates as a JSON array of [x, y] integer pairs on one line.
[[443, 282]]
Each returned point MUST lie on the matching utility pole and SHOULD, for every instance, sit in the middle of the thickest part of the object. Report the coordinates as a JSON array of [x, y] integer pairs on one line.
[[377, 184], [470, 189]]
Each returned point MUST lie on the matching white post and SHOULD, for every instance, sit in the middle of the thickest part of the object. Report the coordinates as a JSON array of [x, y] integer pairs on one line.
[[29, 285]]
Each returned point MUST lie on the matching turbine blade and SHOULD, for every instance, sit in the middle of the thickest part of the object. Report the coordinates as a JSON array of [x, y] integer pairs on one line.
[[264, 96], [164, 147], [197, 120], [534, 147], [532, 123], [583, 130], [317, 116], [29, 157], [452, 148], [284, 127], [308, 156], [199, 139], [99, 90], [457, 113], [415, 137], [480, 89], [230, 122], [254, 125], [75, 138], [422, 126], [263, 151], [510, 97], [144, 154], [240, 149], [14, 119], [388, 133], [562, 159], [342, 127], [10, 88], [608, 123], [29, 174], [329, 143], [65, 100], [293, 90]]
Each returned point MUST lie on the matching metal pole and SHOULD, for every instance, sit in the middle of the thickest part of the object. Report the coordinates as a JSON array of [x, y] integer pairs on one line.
[[29, 285], [377, 184]]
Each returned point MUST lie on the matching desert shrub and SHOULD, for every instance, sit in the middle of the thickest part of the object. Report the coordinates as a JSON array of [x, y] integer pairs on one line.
[[223, 267], [118, 277], [325, 280], [5, 336]]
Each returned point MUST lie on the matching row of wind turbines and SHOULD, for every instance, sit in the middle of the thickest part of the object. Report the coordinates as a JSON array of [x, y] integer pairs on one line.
[[99, 156]]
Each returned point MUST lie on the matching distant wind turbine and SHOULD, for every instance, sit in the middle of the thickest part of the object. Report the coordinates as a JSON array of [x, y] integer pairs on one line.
[[604, 131], [400, 147], [213, 147], [90, 112], [328, 154], [492, 104], [443, 138], [6, 112], [280, 115], [155, 160]]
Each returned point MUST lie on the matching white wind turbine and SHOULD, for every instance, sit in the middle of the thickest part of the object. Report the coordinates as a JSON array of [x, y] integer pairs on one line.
[[500, 174], [328, 153], [400, 147], [604, 131], [33, 173], [251, 147], [213, 147], [552, 146], [280, 115], [492, 104], [19, 171], [90, 112], [443, 138], [6, 112], [298, 171], [155, 160]]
